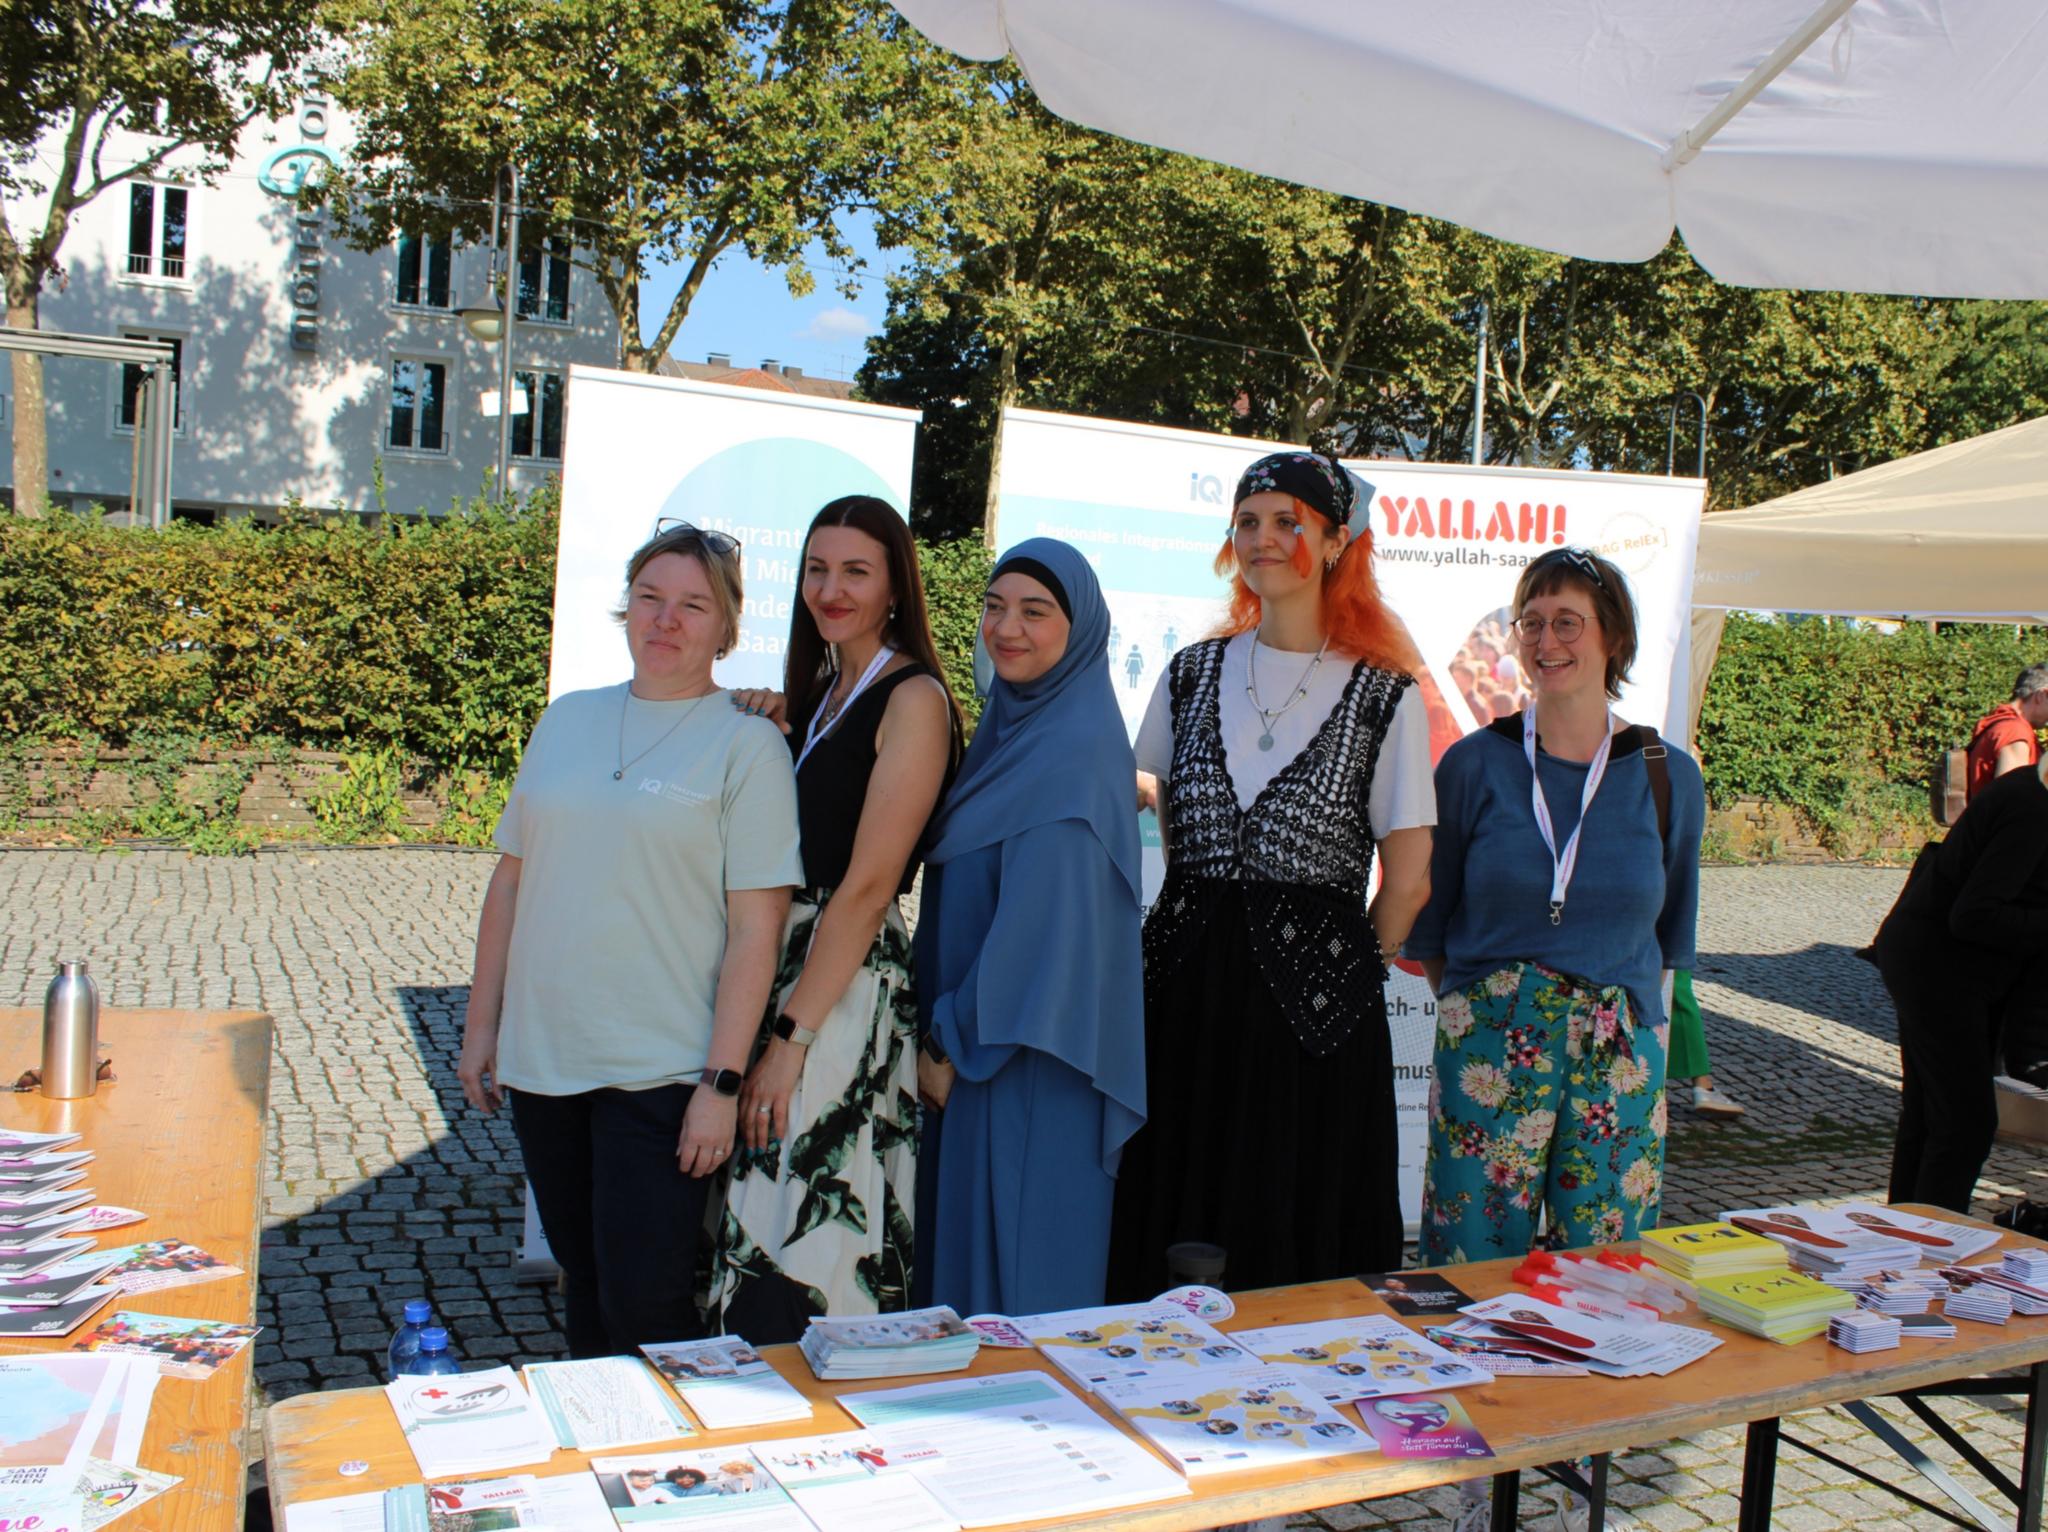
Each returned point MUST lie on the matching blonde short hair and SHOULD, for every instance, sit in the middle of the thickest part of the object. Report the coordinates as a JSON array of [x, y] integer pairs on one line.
[[719, 557]]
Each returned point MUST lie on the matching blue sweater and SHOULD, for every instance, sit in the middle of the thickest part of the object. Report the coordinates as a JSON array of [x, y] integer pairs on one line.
[[1632, 904]]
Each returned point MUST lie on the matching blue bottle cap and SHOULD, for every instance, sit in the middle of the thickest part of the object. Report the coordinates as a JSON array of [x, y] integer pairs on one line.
[[418, 1311], [433, 1338]]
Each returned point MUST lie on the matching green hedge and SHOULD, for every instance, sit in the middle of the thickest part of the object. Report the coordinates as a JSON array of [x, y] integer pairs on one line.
[[1844, 724], [429, 640]]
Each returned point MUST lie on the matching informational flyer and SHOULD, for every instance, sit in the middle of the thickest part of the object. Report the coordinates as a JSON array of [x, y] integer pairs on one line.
[[857, 1481], [1135, 1340], [1015, 1446], [1423, 1426], [1360, 1358], [598, 1403], [727, 1383], [723, 1488], [1248, 1417]]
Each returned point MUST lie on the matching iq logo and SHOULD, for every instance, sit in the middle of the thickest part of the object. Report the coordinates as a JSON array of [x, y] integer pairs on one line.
[[285, 174]]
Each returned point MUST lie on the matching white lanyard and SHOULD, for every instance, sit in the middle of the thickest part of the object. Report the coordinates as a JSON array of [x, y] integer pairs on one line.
[[819, 728], [1562, 866]]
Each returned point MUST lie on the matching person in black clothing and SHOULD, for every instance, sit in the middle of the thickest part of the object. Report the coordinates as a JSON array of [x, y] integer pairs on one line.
[[1970, 922]]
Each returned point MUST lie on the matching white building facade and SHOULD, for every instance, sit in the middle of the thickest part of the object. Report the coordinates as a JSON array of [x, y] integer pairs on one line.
[[307, 370]]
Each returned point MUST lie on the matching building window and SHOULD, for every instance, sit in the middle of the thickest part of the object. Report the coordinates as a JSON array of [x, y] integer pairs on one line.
[[550, 390], [419, 391], [544, 282], [157, 230], [135, 374], [423, 270]]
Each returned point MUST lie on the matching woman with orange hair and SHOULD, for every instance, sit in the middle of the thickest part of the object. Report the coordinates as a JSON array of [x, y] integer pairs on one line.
[[1293, 748]]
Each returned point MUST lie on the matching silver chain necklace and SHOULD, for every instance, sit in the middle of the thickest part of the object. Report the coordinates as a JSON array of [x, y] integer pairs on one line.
[[1251, 689], [625, 702]]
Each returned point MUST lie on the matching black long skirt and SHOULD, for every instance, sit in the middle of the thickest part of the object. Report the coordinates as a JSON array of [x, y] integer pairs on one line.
[[1285, 1160]]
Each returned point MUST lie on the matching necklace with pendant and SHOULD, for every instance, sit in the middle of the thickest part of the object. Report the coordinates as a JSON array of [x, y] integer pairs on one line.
[[1251, 689], [626, 701]]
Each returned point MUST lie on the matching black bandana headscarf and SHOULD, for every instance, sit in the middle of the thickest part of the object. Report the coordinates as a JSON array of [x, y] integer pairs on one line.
[[1315, 481]]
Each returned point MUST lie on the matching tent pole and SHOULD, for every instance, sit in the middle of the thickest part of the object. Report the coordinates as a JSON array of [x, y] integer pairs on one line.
[[1479, 393], [1689, 143]]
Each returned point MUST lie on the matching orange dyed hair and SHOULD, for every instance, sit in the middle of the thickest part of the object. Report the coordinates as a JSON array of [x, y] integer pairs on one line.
[[1356, 620]]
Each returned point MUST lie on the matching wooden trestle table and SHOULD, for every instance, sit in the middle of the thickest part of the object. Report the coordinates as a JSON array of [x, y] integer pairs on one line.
[[177, 1135], [1530, 1423]]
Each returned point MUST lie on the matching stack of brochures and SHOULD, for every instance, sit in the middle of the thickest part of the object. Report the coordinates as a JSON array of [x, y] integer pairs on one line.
[[1980, 1301], [726, 1384], [2029, 1264], [1785, 1306], [1897, 1292], [470, 1422], [1845, 1244], [2027, 1297], [1604, 1346], [1861, 1332], [889, 1345], [1711, 1250]]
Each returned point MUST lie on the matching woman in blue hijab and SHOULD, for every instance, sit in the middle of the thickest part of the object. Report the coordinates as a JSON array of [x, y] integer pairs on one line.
[[1030, 978]]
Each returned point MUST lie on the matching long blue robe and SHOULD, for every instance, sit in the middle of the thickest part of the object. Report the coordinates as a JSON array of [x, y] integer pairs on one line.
[[1017, 1174]]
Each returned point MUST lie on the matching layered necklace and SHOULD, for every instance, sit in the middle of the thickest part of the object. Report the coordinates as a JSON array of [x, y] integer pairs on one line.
[[1251, 689]]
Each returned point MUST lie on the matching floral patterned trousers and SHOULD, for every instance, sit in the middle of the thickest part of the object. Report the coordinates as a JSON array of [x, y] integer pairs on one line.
[[1548, 1097]]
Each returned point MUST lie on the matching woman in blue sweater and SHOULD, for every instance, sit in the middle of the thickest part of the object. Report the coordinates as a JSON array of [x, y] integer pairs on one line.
[[1564, 886]]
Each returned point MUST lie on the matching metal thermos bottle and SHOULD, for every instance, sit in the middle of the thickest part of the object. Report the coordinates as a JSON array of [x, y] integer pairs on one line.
[[71, 1034]]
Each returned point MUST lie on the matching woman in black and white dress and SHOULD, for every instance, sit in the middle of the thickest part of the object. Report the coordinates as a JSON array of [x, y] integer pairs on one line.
[[1293, 749]]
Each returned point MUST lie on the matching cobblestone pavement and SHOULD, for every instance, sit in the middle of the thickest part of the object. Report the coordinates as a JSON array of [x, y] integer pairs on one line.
[[384, 1187]]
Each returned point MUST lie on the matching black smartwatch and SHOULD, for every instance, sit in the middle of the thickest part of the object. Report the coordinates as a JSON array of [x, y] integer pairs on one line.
[[726, 1082], [790, 1030], [934, 1049]]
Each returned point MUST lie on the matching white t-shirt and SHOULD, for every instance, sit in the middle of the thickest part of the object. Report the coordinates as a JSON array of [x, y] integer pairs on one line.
[[1403, 791], [620, 925]]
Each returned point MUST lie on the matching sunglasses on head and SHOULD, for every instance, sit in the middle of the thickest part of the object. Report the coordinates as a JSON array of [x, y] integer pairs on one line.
[[721, 543], [1579, 559]]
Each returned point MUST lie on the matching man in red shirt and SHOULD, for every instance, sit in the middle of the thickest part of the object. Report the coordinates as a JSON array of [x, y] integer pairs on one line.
[[2007, 737]]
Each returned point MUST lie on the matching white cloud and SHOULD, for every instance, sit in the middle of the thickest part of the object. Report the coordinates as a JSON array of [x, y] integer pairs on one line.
[[838, 324]]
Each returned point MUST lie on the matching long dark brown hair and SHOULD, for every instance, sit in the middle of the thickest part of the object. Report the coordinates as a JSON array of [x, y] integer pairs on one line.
[[806, 667]]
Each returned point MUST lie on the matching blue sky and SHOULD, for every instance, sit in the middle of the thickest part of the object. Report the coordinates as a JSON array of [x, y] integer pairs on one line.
[[745, 310]]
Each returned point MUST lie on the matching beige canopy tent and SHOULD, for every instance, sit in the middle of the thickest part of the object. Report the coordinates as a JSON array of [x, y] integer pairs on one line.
[[1958, 533]]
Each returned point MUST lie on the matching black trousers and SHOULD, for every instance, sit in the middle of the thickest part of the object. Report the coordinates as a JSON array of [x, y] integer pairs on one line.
[[622, 1219], [1948, 1055]]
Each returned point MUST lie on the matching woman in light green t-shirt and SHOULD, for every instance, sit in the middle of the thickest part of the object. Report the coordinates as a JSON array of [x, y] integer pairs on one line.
[[627, 946]]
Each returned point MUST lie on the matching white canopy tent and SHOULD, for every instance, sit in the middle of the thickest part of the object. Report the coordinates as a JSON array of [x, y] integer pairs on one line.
[[1957, 533], [1867, 145]]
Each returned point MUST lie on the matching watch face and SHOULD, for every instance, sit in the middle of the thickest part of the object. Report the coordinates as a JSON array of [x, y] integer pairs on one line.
[[725, 1081]]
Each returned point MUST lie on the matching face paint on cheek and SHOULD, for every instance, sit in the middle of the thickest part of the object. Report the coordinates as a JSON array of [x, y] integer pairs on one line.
[[1300, 560]]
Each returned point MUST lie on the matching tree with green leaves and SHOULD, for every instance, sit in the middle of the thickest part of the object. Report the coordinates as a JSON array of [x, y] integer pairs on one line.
[[104, 91], [663, 132]]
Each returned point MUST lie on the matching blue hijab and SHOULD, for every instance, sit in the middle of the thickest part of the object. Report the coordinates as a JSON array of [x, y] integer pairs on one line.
[[1053, 748], [1050, 751]]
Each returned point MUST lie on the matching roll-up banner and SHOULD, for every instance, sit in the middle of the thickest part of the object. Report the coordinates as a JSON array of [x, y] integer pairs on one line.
[[1150, 508], [750, 462]]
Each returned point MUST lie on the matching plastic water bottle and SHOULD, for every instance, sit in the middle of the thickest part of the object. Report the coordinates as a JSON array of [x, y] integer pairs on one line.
[[434, 1356], [405, 1344]]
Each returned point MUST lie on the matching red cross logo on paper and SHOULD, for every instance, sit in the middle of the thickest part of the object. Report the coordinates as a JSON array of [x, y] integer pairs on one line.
[[433, 1393]]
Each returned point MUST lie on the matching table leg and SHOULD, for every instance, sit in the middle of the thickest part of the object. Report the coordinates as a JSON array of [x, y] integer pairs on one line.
[[1759, 1476], [1507, 1499], [1596, 1494], [2034, 1455]]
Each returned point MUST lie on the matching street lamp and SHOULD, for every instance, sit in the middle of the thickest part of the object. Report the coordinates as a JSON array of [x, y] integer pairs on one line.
[[495, 323]]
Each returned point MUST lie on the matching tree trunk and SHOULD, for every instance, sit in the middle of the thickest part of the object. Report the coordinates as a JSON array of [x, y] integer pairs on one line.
[[31, 439], [1006, 396]]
